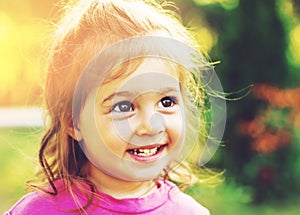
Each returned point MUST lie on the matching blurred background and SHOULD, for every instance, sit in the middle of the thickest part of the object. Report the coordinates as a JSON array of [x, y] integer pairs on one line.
[[258, 45]]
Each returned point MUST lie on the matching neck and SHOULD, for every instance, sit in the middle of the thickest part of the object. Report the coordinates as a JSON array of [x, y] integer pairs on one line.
[[119, 188]]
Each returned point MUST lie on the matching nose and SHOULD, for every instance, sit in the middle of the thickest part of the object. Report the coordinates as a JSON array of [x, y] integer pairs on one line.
[[150, 124]]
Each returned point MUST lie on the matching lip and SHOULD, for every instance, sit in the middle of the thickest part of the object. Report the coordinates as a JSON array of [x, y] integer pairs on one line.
[[148, 146], [149, 158]]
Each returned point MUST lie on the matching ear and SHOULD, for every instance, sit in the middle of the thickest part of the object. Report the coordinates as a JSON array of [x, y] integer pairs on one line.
[[74, 133]]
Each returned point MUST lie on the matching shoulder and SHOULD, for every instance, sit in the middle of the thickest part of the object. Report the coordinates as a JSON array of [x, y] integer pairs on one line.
[[39, 202], [33, 203], [185, 203], [190, 204]]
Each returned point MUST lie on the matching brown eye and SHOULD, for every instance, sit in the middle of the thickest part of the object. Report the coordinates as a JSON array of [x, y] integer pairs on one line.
[[167, 102], [124, 106]]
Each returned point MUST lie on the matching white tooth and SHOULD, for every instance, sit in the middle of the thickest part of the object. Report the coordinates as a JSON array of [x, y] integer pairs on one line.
[[145, 152]]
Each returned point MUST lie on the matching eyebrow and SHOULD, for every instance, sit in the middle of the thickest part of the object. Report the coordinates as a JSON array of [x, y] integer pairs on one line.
[[120, 94], [132, 94]]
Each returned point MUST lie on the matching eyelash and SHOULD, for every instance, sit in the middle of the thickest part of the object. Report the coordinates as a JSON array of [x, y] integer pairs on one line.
[[129, 107]]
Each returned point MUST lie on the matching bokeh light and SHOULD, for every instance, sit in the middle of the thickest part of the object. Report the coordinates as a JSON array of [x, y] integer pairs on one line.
[[226, 4], [295, 44]]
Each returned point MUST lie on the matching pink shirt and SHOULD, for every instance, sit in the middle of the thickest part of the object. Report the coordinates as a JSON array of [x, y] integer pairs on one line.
[[167, 199]]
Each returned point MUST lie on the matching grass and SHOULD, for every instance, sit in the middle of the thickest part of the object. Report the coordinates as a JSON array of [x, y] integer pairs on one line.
[[17, 163], [18, 151], [231, 199]]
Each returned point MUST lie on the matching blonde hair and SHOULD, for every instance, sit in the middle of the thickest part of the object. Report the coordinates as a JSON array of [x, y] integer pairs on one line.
[[87, 27]]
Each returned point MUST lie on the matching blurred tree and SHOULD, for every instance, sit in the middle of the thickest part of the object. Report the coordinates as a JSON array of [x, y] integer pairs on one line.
[[252, 45]]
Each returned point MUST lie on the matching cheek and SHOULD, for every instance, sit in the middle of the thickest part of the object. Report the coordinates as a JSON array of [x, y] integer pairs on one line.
[[175, 126], [109, 135]]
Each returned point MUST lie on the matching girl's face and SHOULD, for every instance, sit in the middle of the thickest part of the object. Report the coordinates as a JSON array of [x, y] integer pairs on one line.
[[133, 127]]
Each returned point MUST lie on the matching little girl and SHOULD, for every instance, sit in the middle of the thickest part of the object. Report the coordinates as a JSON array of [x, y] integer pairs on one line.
[[122, 95]]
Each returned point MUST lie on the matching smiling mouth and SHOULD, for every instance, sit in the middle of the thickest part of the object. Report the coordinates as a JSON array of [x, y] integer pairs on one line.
[[146, 152]]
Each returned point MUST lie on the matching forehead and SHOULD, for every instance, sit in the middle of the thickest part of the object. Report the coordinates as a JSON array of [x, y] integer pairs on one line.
[[156, 65], [151, 74]]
